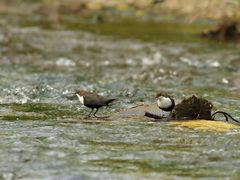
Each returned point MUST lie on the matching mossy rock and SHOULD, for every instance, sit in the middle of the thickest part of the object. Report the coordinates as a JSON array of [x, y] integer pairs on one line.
[[207, 125]]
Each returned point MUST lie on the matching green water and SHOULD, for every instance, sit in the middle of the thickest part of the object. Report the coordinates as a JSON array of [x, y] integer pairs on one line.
[[42, 132]]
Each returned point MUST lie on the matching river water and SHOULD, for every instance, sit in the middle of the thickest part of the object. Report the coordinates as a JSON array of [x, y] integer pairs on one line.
[[41, 129]]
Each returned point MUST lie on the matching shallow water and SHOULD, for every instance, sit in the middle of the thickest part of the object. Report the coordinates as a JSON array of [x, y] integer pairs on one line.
[[42, 132]]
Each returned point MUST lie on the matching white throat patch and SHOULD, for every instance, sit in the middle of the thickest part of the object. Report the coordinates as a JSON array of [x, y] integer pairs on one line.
[[81, 99], [164, 102]]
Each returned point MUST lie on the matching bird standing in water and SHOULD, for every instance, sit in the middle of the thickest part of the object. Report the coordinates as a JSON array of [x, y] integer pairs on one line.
[[93, 100]]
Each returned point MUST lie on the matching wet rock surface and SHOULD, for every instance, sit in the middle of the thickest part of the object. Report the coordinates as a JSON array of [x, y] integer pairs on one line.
[[139, 111]]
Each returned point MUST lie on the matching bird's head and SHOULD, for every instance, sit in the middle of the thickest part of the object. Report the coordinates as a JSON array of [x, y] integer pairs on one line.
[[82, 92]]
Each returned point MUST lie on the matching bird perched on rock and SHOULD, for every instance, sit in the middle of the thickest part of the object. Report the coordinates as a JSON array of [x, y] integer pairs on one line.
[[93, 100], [165, 102]]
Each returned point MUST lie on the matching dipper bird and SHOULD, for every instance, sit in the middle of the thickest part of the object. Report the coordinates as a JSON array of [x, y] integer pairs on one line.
[[165, 102], [93, 100]]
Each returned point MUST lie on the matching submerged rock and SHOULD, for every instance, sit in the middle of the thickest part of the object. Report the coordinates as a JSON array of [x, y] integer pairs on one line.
[[218, 126], [140, 111]]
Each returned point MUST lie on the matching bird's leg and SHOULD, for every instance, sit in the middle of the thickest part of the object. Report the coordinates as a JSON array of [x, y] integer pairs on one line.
[[99, 116], [94, 114], [89, 115], [170, 115]]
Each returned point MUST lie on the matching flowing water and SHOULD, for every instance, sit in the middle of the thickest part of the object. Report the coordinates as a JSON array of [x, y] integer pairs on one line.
[[42, 132]]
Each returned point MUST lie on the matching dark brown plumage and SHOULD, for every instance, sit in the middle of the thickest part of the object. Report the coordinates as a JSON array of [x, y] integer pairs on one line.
[[93, 100]]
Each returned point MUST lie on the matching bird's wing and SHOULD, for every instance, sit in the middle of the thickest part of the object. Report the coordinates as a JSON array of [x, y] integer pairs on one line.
[[94, 101]]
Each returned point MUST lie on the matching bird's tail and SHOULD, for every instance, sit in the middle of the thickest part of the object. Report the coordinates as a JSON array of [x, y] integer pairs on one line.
[[110, 101]]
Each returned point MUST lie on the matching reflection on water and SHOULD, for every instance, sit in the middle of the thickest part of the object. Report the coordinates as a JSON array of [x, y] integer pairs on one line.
[[42, 135]]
